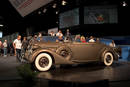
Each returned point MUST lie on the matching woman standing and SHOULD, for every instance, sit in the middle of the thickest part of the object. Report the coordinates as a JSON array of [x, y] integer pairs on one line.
[[1, 48], [24, 44], [5, 48]]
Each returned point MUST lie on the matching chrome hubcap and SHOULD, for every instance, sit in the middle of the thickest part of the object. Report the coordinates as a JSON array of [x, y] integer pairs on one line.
[[43, 62], [108, 59]]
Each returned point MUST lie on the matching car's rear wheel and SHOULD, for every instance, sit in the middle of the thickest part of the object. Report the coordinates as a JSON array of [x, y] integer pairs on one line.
[[108, 58], [43, 62]]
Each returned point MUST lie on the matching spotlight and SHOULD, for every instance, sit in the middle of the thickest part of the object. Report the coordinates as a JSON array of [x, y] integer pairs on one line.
[[124, 4], [39, 12], [64, 2], [57, 22], [56, 12], [1, 25], [54, 5], [44, 10]]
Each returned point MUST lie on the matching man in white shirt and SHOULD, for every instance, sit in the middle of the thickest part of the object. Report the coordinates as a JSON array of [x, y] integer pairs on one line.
[[91, 39], [17, 46], [112, 44], [59, 34]]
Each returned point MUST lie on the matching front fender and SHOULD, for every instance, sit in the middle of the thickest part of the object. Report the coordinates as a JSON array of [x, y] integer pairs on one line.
[[57, 59]]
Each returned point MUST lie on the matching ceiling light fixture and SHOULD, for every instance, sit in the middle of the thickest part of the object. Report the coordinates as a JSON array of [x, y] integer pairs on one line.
[[54, 5], [56, 12], [39, 12], [1, 25], [44, 10], [57, 22], [64, 2], [124, 4]]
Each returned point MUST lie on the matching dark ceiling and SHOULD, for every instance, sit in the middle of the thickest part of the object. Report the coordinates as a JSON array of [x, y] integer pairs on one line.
[[9, 17], [14, 22]]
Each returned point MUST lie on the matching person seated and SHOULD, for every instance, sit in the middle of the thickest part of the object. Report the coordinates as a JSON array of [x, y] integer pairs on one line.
[[91, 39], [60, 39], [82, 39], [59, 34], [39, 37], [112, 44], [52, 33], [77, 38], [68, 34], [67, 39], [97, 40]]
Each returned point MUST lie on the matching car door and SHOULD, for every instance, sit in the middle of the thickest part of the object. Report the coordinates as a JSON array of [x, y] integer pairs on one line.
[[85, 51]]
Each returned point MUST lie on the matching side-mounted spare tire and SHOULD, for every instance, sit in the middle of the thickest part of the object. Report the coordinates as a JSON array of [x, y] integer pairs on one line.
[[43, 62], [64, 52], [108, 58]]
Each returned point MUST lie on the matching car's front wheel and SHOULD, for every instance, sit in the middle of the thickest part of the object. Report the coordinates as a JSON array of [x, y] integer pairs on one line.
[[43, 62], [108, 58]]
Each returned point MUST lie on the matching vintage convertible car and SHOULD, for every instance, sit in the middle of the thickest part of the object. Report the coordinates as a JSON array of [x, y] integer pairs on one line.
[[45, 54]]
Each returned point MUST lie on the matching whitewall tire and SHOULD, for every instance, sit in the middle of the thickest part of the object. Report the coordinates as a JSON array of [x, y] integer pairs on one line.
[[43, 62], [108, 58]]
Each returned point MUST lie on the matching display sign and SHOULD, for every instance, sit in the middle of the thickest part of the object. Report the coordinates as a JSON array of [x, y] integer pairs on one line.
[[69, 18], [100, 15], [24, 7]]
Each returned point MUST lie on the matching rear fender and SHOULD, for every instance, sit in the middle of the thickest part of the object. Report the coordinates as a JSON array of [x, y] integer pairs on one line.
[[104, 50]]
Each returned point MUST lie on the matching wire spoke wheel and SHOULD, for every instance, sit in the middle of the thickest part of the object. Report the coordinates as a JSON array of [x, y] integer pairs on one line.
[[43, 62], [108, 59]]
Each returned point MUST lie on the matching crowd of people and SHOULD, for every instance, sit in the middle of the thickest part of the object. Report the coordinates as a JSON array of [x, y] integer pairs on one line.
[[14, 47], [60, 35], [67, 37], [78, 38], [5, 48]]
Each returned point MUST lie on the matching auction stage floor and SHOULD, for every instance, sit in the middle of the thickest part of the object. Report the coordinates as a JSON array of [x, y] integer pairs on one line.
[[89, 73], [69, 76]]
